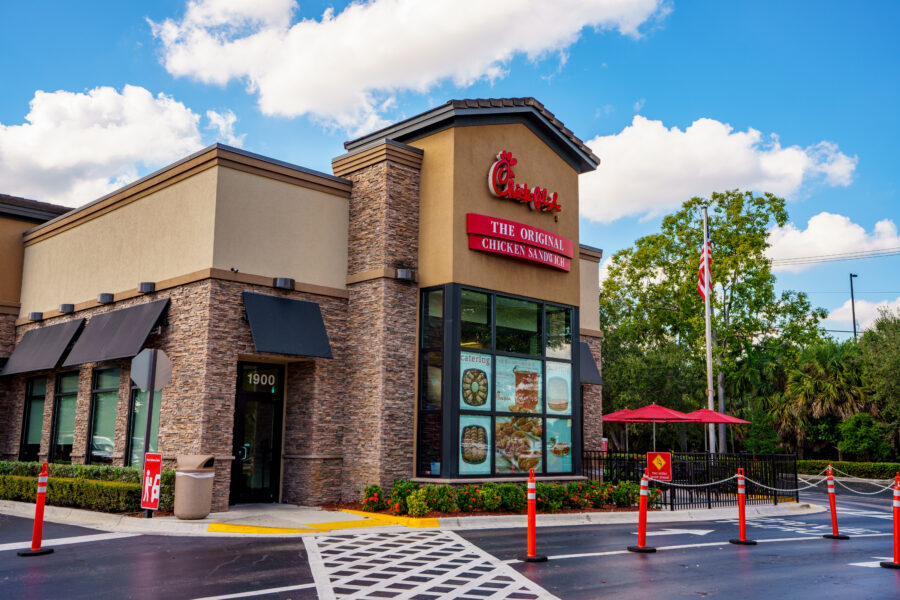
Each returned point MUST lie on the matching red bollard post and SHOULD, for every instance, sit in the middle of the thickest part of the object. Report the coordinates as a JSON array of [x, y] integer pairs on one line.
[[532, 555], [896, 563], [834, 535], [742, 519], [642, 519], [37, 533]]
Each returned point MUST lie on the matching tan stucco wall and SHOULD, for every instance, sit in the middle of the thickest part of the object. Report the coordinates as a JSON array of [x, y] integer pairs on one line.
[[590, 294], [268, 227], [165, 234], [11, 254], [444, 251]]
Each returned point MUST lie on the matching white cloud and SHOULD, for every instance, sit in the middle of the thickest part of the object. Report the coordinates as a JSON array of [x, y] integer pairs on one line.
[[827, 233], [74, 147], [346, 68], [648, 169], [604, 268], [639, 104], [223, 123], [866, 312]]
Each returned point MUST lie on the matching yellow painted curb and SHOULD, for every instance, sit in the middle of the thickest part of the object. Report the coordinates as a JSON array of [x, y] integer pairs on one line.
[[348, 524], [237, 528], [388, 519]]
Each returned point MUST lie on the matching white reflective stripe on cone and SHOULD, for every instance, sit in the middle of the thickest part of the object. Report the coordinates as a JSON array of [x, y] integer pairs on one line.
[[644, 492], [195, 475], [532, 496], [532, 486], [896, 503], [42, 480]]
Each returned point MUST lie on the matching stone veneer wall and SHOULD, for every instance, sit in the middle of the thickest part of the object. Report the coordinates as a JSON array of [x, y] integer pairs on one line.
[[7, 334], [381, 327], [592, 401]]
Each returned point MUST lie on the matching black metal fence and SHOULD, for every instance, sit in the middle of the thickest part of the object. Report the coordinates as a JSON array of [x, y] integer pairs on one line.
[[699, 470]]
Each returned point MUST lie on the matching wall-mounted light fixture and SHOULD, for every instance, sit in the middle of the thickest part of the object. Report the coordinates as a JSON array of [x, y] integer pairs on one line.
[[35, 316], [105, 298], [283, 283], [66, 309], [146, 287], [405, 275]]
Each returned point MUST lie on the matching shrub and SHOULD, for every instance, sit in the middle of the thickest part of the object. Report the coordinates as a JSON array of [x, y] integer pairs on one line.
[[868, 470], [95, 473], [106, 496], [440, 498], [654, 498], [625, 494], [468, 499], [550, 497], [599, 493], [512, 497], [400, 490], [863, 437], [489, 497], [578, 495], [373, 498], [417, 502]]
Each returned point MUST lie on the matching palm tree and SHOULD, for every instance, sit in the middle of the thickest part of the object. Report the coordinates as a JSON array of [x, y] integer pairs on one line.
[[827, 381]]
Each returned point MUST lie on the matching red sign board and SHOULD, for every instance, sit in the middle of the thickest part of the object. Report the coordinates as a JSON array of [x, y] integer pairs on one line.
[[604, 444], [517, 240], [659, 465], [150, 488]]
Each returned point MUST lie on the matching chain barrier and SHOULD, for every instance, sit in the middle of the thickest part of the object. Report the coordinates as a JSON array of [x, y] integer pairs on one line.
[[682, 485], [878, 491], [861, 479]]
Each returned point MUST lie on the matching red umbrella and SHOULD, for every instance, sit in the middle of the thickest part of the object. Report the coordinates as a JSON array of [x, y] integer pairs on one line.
[[653, 413], [620, 416], [704, 415]]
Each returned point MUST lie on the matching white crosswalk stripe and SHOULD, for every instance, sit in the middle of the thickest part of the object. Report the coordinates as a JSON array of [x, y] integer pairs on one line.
[[425, 565]]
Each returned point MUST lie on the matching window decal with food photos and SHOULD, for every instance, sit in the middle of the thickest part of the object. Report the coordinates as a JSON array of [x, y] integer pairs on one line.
[[475, 381], [559, 445], [559, 388], [518, 385], [518, 444], [474, 445]]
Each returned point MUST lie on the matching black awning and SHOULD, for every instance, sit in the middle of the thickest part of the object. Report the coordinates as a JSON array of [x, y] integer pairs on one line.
[[42, 348], [286, 326], [589, 371], [117, 334]]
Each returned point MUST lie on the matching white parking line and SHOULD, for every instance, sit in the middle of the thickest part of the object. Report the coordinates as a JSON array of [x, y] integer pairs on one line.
[[79, 539]]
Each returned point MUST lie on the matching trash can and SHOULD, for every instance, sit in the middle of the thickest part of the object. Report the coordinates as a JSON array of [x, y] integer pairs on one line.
[[194, 475]]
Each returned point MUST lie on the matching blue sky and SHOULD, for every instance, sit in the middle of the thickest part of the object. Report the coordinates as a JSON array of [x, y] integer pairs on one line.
[[677, 98]]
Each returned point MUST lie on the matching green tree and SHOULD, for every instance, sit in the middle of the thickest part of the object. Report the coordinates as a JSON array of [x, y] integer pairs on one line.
[[827, 380], [862, 438], [880, 353]]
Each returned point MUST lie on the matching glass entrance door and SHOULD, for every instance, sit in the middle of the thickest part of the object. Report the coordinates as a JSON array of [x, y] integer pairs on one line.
[[257, 434]]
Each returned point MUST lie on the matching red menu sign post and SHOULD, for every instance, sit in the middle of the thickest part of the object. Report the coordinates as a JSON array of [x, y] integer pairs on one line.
[[150, 487], [659, 465]]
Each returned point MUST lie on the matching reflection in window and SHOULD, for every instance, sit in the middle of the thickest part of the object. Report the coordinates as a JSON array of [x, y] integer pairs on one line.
[[64, 418], [475, 320], [104, 401], [428, 457], [431, 394], [138, 426], [559, 332], [518, 326], [35, 391], [433, 322]]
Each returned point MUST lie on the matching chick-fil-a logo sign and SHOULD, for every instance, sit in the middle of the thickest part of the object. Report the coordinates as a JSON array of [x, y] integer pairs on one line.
[[502, 183]]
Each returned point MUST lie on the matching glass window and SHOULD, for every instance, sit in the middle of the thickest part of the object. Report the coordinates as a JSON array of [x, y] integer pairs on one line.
[[64, 418], [474, 445], [104, 402], [518, 385], [138, 426], [475, 320], [519, 443], [518, 326], [433, 321], [559, 332], [559, 388], [559, 445], [431, 394], [428, 457], [475, 381], [35, 392]]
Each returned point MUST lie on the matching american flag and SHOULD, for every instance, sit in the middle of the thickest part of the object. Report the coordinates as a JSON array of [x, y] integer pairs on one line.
[[704, 282]]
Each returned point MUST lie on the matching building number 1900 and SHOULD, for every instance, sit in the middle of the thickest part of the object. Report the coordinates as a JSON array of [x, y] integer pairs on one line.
[[260, 379]]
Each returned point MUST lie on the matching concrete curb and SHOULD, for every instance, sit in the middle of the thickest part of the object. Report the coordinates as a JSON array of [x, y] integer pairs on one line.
[[268, 517]]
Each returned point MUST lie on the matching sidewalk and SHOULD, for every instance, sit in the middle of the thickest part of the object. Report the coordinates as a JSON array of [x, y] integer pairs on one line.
[[259, 520]]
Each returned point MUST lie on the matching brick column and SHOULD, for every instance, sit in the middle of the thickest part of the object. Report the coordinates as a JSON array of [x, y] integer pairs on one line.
[[592, 400], [381, 319]]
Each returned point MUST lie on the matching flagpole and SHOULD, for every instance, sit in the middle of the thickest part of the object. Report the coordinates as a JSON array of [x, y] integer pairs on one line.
[[709, 374]]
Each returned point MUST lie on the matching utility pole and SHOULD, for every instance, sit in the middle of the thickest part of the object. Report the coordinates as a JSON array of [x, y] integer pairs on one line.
[[853, 305]]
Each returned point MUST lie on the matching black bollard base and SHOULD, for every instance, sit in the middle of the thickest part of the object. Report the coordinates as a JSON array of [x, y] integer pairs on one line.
[[536, 558], [743, 542], [642, 550], [35, 552], [890, 565], [839, 536]]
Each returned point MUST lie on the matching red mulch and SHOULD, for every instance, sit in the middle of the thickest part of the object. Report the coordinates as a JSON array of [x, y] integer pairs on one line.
[[461, 513]]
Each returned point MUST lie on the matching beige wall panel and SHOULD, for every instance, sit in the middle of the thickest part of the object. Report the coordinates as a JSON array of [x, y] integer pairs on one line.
[[11, 253], [475, 149], [162, 235], [590, 294], [436, 209], [268, 227]]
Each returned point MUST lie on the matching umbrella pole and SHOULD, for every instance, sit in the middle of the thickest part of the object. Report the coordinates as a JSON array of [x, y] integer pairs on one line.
[[654, 436], [626, 438]]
